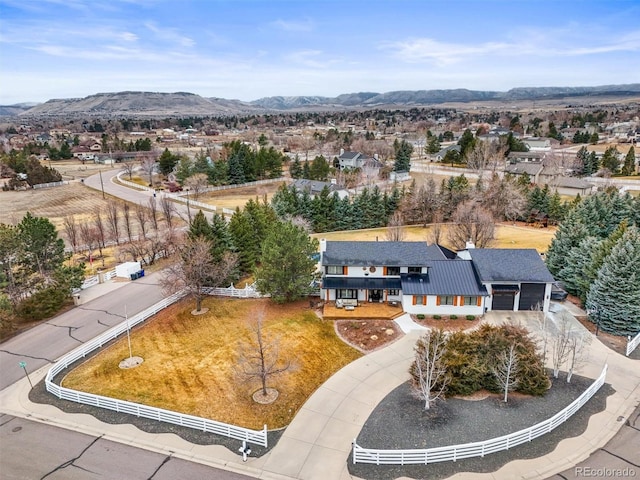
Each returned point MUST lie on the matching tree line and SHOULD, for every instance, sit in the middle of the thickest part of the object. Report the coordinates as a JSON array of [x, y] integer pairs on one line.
[[596, 253]]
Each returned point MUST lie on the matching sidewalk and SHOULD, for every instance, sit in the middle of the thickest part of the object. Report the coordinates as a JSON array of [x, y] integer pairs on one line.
[[317, 444]]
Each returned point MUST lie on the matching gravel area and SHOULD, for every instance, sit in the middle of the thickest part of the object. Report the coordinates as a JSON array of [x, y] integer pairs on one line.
[[39, 394], [400, 422]]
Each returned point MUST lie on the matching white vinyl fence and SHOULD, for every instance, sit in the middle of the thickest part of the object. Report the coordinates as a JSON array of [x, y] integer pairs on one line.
[[632, 344], [50, 184], [249, 291], [258, 437], [477, 449]]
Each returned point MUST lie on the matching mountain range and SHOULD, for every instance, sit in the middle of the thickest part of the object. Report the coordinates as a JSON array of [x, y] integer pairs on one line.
[[185, 104]]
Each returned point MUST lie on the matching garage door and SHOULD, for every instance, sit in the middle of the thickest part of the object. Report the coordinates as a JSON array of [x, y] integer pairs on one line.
[[502, 301], [531, 295]]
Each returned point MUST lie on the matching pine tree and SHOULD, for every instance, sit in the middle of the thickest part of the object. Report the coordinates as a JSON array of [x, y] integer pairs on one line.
[[200, 227], [295, 170], [570, 233], [614, 297], [403, 152], [629, 165], [287, 268], [578, 259]]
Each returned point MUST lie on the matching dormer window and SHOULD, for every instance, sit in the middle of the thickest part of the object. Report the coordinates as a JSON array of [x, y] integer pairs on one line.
[[414, 270], [334, 270], [392, 271]]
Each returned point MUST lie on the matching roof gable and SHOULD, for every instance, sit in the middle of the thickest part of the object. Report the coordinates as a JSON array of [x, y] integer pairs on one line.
[[381, 253], [509, 265]]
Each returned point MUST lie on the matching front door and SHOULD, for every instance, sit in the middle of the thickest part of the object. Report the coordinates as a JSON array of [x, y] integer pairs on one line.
[[375, 295]]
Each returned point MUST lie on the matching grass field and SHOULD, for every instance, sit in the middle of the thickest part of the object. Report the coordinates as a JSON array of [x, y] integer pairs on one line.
[[507, 236], [238, 197], [189, 360]]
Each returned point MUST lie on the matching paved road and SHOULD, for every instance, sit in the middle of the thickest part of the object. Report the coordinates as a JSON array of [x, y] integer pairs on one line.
[[48, 341], [68, 455], [621, 454]]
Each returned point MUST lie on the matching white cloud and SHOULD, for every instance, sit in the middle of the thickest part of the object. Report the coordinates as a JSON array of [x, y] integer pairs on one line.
[[293, 25], [170, 35]]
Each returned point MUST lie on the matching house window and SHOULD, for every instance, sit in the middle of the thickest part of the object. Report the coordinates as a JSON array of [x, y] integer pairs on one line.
[[394, 292], [470, 300], [419, 300], [334, 269], [414, 270], [446, 300], [393, 270], [347, 293]]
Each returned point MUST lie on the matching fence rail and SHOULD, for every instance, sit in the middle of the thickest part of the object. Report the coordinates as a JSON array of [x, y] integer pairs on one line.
[[258, 437], [477, 449], [50, 184], [249, 291], [632, 344]]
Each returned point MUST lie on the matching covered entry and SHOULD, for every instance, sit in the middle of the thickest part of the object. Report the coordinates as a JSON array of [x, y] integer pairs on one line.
[[503, 297], [531, 296]]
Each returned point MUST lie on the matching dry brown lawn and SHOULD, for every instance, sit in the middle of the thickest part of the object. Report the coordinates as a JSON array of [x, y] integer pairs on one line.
[[507, 236], [53, 203], [238, 197], [189, 361]]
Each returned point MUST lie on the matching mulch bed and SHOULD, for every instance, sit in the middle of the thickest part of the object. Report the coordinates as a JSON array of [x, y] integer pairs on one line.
[[446, 323], [368, 335], [400, 422]]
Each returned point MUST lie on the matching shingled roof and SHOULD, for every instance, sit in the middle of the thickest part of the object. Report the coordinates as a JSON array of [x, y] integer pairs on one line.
[[389, 254], [510, 265]]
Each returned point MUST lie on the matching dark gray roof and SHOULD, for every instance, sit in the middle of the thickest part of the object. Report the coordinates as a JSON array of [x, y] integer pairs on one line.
[[389, 254], [445, 277], [530, 168], [572, 182], [312, 186], [349, 155], [510, 265]]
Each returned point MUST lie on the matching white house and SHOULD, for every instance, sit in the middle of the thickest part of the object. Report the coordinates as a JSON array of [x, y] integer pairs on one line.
[[430, 279]]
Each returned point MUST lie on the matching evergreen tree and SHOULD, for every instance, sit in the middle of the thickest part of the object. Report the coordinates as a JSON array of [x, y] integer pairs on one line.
[[610, 159], [467, 142], [167, 162], [306, 171], [570, 233], [199, 227], [295, 170], [403, 151], [578, 259], [614, 297], [319, 169], [236, 171], [629, 165], [287, 268]]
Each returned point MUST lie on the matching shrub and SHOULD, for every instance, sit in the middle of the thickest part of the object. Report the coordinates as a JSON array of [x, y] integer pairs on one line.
[[453, 317], [42, 304], [420, 316], [471, 317], [437, 317]]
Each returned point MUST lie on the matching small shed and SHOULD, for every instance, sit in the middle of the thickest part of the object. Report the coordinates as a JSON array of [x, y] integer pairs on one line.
[[126, 269]]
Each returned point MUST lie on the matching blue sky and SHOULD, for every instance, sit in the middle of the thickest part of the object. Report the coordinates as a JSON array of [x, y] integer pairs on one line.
[[247, 49]]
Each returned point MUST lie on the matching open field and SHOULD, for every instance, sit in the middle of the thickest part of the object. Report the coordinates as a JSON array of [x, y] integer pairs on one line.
[[238, 197], [507, 236], [73, 169], [189, 361], [54, 203]]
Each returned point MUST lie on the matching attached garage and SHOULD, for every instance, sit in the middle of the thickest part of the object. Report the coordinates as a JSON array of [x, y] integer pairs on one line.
[[531, 296], [503, 296]]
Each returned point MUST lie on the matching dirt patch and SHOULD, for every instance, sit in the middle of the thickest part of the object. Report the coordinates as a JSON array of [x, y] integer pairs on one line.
[[446, 323], [368, 335]]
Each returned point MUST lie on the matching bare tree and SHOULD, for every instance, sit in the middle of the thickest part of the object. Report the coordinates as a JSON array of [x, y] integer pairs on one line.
[[561, 344], [71, 231], [504, 198], [128, 165], [148, 166], [471, 222], [577, 352], [153, 212], [101, 230], [542, 320], [168, 211], [113, 221], [435, 234], [197, 184], [486, 155], [197, 269], [260, 358], [142, 215], [429, 377], [423, 204], [395, 231], [88, 237], [506, 370], [126, 216]]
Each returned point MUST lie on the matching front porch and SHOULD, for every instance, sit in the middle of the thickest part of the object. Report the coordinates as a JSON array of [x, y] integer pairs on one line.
[[364, 311]]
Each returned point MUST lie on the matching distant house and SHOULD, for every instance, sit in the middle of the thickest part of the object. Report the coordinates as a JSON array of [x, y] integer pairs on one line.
[[571, 186], [315, 187], [438, 157], [531, 169], [538, 144], [517, 157], [352, 160], [429, 279]]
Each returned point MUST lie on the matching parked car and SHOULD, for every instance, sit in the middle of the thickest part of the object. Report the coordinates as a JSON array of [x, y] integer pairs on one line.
[[558, 293]]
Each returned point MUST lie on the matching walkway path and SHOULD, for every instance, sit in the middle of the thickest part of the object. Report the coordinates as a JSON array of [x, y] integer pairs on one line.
[[317, 444]]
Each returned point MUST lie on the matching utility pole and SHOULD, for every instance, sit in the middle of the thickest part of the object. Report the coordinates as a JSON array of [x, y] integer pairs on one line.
[[101, 184]]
